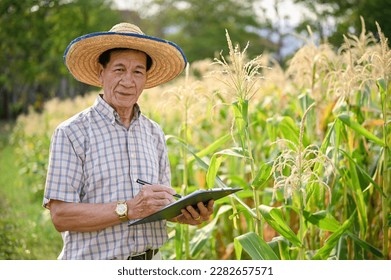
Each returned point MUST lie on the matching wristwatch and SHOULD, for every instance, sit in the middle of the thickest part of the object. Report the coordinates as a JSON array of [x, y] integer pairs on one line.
[[122, 210]]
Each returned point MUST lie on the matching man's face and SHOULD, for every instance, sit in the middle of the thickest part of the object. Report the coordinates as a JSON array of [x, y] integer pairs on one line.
[[124, 78]]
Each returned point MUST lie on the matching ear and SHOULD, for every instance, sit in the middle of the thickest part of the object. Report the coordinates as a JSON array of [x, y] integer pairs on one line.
[[100, 74]]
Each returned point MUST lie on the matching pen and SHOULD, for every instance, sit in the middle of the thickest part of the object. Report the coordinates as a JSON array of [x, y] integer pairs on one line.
[[142, 182]]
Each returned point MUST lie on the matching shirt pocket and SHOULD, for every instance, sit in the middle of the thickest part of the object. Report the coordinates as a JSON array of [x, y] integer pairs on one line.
[[148, 157], [107, 180]]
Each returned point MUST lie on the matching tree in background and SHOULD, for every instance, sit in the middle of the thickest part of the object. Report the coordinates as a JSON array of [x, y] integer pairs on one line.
[[332, 18], [33, 37], [198, 26]]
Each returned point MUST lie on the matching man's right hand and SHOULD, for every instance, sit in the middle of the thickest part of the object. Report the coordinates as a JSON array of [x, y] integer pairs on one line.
[[149, 200]]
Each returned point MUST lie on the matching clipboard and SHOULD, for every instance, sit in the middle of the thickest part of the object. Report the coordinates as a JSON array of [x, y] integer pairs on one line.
[[174, 209]]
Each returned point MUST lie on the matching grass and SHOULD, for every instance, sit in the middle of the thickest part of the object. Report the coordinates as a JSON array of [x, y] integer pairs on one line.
[[26, 231]]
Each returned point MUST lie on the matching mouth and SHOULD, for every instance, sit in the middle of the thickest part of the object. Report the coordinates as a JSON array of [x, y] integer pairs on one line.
[[124, 93]]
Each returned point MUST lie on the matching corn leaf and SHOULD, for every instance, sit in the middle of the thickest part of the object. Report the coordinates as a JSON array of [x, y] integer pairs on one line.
[[214, 166], [364, 173], [360, 129], [215, 163], [275, 219], [289, 129], [240, 109], [263, 175], [357, 193], [365, 245], [382, 86], [271, 129], [324, 252], [212, 147], [285, 126], [322, 219], [256, 247], [238, 249], [342, 252], [280, 247]]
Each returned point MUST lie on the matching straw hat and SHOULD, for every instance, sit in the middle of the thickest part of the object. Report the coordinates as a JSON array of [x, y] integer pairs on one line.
[[81, 55]]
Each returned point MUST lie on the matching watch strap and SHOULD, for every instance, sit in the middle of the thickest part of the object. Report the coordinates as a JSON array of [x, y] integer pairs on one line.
[[123, 217]]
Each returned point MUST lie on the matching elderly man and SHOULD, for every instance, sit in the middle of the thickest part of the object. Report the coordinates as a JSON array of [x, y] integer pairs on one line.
[[97, 156]]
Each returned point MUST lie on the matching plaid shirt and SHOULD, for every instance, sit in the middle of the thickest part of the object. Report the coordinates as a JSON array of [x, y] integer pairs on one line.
[[95, 159]]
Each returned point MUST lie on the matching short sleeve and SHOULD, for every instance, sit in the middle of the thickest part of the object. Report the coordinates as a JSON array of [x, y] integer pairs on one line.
[[65, 179]]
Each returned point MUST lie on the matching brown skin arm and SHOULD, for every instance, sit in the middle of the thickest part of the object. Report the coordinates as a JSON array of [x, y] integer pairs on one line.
[[82, 217], [85, 217]]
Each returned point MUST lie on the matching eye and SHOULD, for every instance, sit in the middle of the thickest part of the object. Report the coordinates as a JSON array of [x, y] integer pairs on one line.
[[118, 70], [139, 72]]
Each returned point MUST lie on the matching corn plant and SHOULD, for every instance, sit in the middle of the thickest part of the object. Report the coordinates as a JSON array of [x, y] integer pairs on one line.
[[384, 57], [242, 79]]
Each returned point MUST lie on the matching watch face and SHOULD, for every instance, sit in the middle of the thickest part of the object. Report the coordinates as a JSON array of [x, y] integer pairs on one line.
[[121, 209]]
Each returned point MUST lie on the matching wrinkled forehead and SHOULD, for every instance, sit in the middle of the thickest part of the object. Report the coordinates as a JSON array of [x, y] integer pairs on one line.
[[128, 53]]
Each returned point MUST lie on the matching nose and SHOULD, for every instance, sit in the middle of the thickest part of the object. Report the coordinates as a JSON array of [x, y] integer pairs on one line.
[[127, 79]]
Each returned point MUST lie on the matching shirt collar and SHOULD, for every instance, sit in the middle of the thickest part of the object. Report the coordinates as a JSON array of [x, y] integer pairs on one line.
[[109, 113]]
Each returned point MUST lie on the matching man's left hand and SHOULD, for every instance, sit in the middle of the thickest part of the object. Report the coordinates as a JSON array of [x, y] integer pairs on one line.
[[192, 216]]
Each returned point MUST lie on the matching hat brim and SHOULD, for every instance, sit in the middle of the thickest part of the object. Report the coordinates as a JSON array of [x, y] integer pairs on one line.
[[81, 56]]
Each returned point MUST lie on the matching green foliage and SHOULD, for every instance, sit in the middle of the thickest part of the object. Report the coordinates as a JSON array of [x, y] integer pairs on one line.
[[274, 217], [347, 16], [33, 38], [26, 231], [257, 248], [195, 24]]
